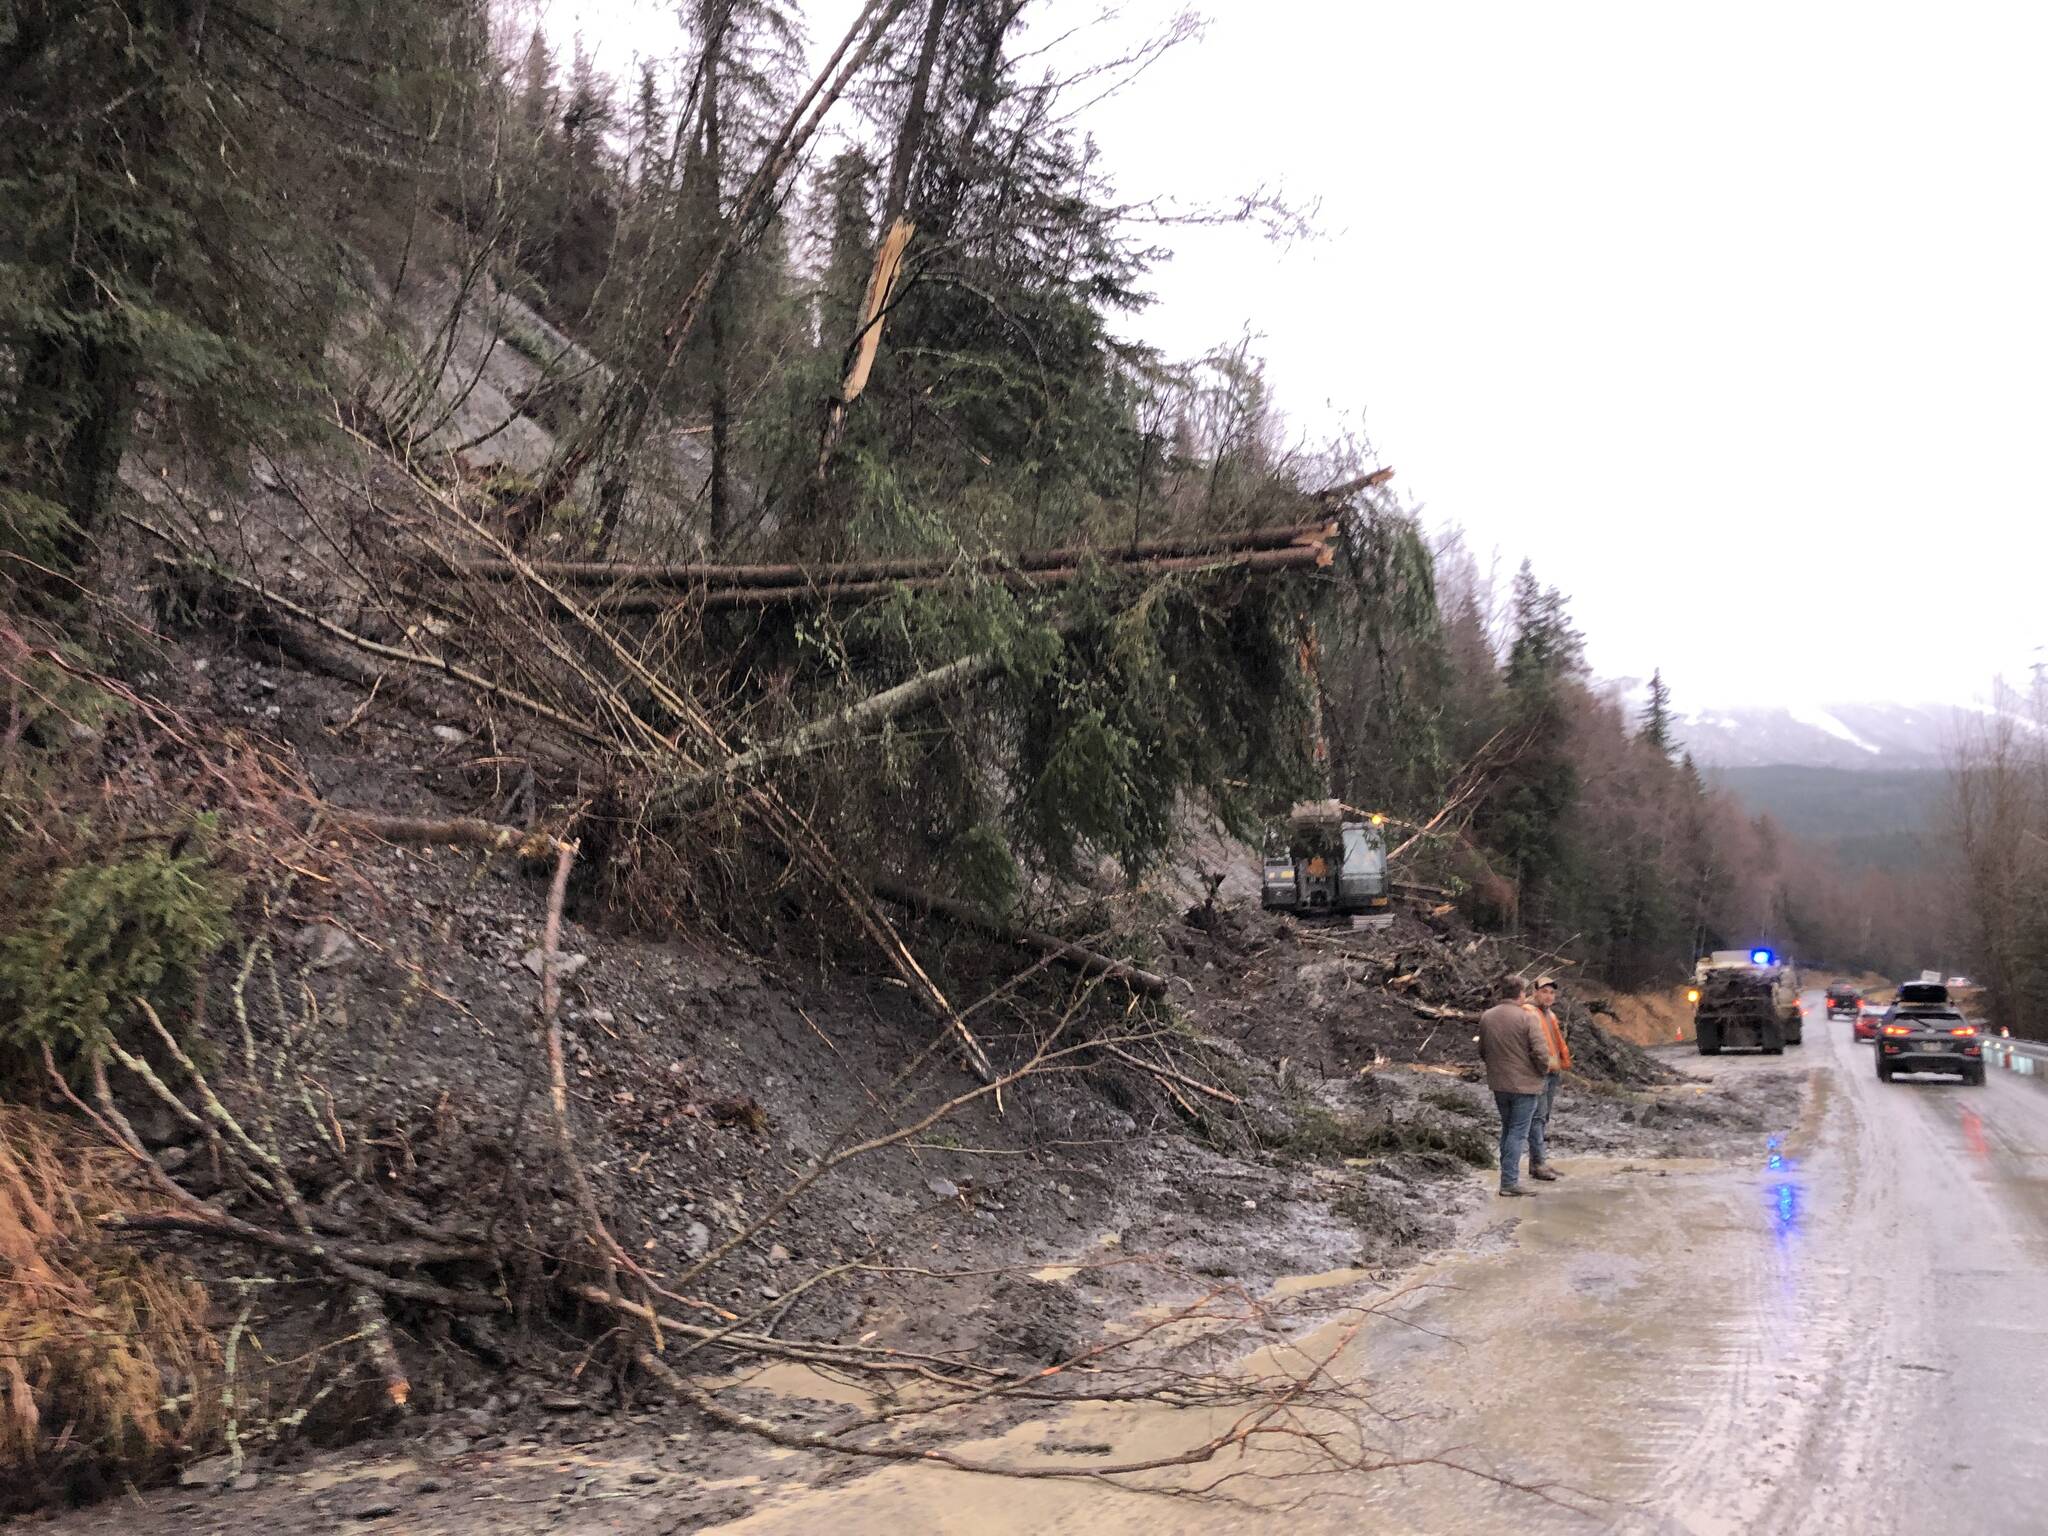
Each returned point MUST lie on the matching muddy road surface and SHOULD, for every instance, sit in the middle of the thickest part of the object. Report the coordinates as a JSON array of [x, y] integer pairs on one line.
[[1838, 1324], [1845, 1331]]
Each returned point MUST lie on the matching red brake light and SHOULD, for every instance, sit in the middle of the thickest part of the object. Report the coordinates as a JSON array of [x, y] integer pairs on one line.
[[1897, 1029], [1967, 1029]]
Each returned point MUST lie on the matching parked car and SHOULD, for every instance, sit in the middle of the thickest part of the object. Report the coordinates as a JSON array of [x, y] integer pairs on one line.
[[1869, 1018], [1929, 1040], [1844, 1000]]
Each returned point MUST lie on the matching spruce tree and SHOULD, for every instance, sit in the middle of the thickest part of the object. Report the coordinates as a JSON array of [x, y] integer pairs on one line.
[[176, 232], [1655, 730]]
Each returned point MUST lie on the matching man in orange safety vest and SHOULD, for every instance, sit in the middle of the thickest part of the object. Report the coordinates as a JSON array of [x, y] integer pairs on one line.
[[1545, 1009]]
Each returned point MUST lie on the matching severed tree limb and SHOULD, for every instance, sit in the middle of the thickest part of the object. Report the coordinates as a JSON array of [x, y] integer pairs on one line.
[[1344, 490], [287, 641], [1168, 1072], [1252, 1425], [378, 1255], [886, 1362], [1257, 562], [344, 1258], [1075, 957], [612, 1257], [604, 573], [363, 1284], [468, 831], [1429, 1011], [845, 724]]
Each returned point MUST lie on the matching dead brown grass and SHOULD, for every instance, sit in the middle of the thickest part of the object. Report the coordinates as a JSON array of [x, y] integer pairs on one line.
[[108, 1371]]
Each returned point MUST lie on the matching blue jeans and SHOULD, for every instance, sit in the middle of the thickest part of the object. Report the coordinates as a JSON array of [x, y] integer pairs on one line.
[[1516, 1111], [1539, 1123]]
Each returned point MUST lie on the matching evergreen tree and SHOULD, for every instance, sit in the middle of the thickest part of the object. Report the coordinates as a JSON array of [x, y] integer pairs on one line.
[[1655, 730], [133, 211], [1546, 648], [1539, 789], [845, 196]]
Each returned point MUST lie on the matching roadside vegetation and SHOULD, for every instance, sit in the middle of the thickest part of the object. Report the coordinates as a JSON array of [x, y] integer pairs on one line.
[[1997, 824]]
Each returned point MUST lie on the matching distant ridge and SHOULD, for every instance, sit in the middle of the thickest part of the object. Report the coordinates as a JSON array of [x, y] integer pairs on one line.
[[1880, 818], [1862, 737]]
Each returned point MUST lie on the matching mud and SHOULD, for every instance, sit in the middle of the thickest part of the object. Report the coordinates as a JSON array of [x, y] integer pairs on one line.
[[1464, 1329]]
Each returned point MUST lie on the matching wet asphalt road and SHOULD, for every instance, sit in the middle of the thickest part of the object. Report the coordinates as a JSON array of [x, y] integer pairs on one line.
[[1843, 1331], [1924, 1211]]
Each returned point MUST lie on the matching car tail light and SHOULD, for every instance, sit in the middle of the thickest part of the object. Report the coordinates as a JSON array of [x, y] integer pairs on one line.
[[1898, 1029], [1967, 1029]]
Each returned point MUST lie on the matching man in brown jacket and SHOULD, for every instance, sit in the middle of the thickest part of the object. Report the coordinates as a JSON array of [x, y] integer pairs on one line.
[[1518, 1066], [1561, 1059]]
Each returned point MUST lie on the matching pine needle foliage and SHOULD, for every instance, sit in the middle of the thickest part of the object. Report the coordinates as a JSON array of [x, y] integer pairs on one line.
[[98, 933]]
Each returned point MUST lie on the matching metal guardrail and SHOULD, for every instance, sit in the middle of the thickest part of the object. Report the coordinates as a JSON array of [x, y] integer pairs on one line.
[[2029, 1058]]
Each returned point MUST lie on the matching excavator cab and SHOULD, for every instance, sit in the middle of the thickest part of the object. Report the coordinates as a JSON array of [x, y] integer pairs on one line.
[[1329, 866]]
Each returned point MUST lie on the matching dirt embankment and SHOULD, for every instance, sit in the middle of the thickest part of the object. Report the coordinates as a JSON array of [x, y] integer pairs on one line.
[[1645, 1018], [1313, 1104]]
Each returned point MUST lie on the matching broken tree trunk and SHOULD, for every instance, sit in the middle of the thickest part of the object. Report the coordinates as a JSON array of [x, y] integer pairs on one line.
[[1330, 495], [1076, 957], [629, 399], [603, 573], [1262, 562], [466, 831], [841, 725]]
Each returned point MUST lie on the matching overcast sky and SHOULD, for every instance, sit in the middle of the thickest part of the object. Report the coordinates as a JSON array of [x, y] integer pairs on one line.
[[1732, 317]]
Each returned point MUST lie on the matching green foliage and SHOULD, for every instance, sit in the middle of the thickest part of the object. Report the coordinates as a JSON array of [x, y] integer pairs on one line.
[[1528, 816], [1171, 698], [50, 716], [983, 868], [1386, 670], [1655, 730], [1546, 649], [99, 933]]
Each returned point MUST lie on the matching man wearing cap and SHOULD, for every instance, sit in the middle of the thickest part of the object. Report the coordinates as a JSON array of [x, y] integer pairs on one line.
[[1561, 1057], [1518, 1065]]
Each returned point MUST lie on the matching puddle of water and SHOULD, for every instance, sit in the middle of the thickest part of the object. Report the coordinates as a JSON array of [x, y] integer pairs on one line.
[[791, 1378], [1329, 1279]]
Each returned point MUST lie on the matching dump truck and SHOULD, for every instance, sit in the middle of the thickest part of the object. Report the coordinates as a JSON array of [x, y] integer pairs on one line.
[[1321, 865], [1745, 999]]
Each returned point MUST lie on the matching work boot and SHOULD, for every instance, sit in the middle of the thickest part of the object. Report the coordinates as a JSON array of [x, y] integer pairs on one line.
[[1546, 1173], [1515, 1189]]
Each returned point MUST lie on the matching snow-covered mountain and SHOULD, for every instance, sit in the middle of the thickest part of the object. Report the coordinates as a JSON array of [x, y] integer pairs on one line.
[[1856, 736]]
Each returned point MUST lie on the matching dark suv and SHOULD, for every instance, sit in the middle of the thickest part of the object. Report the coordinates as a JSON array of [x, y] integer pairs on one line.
[[1843, 1001], [1929, 1040]]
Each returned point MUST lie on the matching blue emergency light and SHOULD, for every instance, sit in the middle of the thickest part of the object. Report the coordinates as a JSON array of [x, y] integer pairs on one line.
[[1759, 957]]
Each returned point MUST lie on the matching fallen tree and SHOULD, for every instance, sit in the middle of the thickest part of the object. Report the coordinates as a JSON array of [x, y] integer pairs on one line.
[[909, 567], [1303, 557]]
